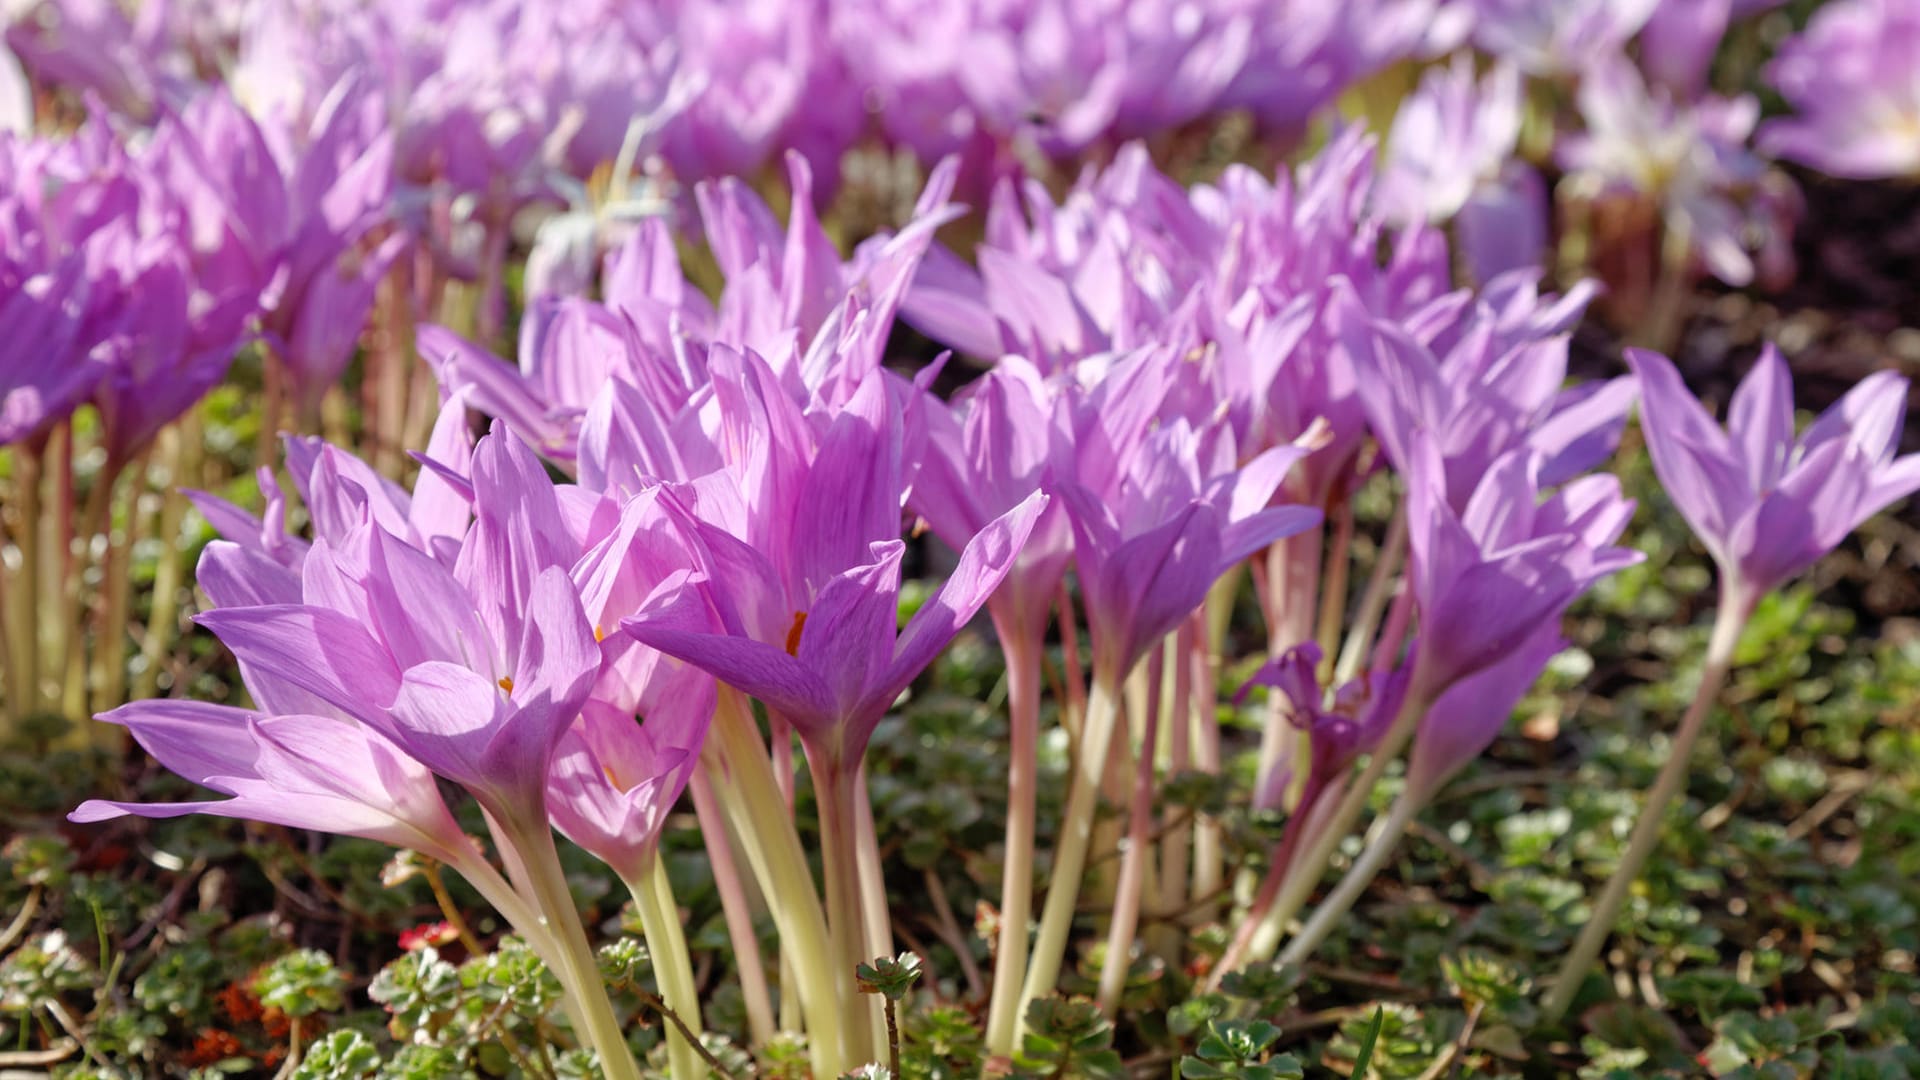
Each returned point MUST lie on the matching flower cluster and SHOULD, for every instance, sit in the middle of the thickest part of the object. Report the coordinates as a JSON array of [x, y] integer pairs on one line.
[[675, 547]]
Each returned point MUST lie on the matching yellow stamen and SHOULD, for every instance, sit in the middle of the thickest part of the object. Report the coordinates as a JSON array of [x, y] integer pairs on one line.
[[506, 683], [599, 634]]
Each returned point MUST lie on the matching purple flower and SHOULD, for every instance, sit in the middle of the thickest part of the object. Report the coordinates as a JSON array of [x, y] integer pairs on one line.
[[1238, 273], [475, 670], [1498, 387], [991, 451], [1153, 534], [1487, 578], [305, 772], [1766, 504], [802, 608], [1679, 42], [1852, 81], [614, 781], [1469, 715]]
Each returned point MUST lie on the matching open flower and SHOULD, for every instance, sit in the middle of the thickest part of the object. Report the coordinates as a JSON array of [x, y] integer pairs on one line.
[[1767, 504], [326, 773]]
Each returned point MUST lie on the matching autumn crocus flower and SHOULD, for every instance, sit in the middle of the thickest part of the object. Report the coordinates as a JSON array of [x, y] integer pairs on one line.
[[326, 773], [1166, 521], [1768, 504]]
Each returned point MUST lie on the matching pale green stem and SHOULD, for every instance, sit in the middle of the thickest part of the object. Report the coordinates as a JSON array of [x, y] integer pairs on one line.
[[736, 906], [1358, 877], [672, 965], [1333, 599], [1373, 601], [1176, 848], [736, 762], [1016, 882], [1133, 865], [577, 970], [1736, 605], [846, 921], [1076, 830], [875, 920], [1209, 835]]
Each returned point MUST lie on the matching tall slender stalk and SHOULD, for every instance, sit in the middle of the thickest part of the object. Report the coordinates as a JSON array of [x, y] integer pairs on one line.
[[1176, 847], [1357, 878], [181, 445], [1736, 606], [1209, 835], [1373, 600], [1133, 865], [1016, 879], [578, 970], [876, 922], [24, 698], [1070, 857], [846, 922], [672, 965], [736, 907], [742, 777]]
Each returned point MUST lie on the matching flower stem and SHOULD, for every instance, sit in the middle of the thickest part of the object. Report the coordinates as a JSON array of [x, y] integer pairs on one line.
[[1070, 857], [672, 966], [736, 762], [1373, 601], [846, 923], [1133, 865], [1735, 606], [1306, 872], [578, 970], [1356, 880], [735, 906], [1016, 882]]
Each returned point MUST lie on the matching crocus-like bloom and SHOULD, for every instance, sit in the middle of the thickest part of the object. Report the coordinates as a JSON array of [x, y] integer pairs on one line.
[[305, 772], [614, 781], [1765, 504], [1152, 539], [1487, 578], [806, 618], [122, 297], [1853, 83], [475, 671], [983, 458], [1450, 156], [1691, 161], [1463, 721], [1238, 273], [1487, 394], [819, 322]]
